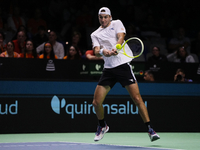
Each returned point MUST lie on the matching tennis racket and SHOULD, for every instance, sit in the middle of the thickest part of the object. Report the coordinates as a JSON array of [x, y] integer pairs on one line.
[[132, 48]]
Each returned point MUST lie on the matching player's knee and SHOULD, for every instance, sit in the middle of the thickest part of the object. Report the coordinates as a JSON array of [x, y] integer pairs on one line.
[[137, 100], [95, 103]]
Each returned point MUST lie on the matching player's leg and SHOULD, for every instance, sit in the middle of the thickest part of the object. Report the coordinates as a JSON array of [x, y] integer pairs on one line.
[[134, 92], [137, 99], [99, 96]]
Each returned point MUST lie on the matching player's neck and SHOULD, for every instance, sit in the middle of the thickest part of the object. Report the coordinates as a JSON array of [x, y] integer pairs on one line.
[[106, 25]]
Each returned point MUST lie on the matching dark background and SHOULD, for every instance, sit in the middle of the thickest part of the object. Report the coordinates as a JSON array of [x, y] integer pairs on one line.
[[36, 69], [167, 113], [161, 16]]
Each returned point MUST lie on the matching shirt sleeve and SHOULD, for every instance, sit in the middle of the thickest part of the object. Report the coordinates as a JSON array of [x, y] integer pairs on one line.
[[40, 48], [61, 52], [120, 27], [95, 41], [91, 52], [190, 59]]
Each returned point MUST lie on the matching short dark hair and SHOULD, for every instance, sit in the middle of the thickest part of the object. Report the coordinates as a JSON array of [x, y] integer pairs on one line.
[[156, 47], [76, 33], [150, 72], [12, 44], [180, 70]]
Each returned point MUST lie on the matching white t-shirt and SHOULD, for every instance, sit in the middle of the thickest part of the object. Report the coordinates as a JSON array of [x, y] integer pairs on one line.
[[107, 38]]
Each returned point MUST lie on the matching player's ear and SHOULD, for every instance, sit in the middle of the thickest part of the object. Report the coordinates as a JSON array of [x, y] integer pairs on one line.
[[110, 18]]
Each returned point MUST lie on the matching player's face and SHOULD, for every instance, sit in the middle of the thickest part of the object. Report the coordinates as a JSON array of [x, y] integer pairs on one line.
[[104, 20]]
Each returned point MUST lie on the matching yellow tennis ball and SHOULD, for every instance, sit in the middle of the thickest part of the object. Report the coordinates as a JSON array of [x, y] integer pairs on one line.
[[118, 46]]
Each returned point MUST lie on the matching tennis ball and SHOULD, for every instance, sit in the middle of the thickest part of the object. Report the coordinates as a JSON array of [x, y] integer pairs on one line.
[[118, 46]]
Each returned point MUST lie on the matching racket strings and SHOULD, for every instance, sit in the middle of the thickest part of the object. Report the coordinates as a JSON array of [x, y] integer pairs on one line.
[[132, 48], [135, 47]]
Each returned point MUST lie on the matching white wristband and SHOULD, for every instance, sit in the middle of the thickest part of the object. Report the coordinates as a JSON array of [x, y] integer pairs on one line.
[[101, 52]]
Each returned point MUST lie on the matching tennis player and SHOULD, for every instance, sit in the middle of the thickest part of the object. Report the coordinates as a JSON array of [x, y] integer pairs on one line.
[[116, 69]]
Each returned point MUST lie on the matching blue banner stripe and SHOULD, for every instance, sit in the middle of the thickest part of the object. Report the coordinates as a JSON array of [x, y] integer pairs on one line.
[[88, 88]]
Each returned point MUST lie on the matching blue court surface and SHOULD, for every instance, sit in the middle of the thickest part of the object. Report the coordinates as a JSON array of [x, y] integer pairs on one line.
[[68, 146]]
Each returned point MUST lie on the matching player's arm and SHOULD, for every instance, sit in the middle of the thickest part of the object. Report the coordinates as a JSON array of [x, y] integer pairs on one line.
[[97, 51], [120, 37], [96, 46], [100, 52], [92, 57]]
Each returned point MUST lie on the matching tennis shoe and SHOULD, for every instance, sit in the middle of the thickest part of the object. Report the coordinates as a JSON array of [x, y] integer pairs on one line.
[[100, 132], [152, 134]]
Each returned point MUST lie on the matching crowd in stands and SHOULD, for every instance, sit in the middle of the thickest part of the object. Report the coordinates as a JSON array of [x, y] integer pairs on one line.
[[60, 29]]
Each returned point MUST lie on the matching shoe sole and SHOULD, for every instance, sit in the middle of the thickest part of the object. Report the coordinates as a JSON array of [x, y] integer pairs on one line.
[[103, 135], [154, 138]]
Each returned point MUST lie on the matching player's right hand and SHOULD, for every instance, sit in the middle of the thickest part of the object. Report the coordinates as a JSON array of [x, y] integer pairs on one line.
[[107, 53]]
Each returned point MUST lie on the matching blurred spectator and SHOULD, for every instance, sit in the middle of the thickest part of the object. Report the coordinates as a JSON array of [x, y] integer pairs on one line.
[[20, 42], [41, 36], [36, 21], [10, 51], [30, 51], [157, 56], [181, 56], [15, 21], [23, 28], [2, 44], [58, 48], [91, 56], [76, 41], [178, 41], [149, 76], [72, 54], [180, 76], [48, 52], [195, 46]]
